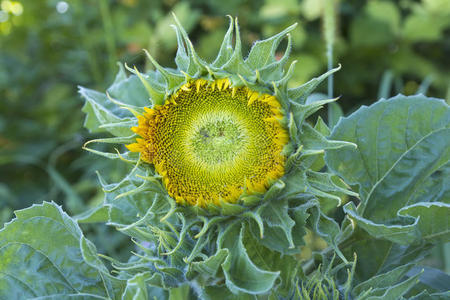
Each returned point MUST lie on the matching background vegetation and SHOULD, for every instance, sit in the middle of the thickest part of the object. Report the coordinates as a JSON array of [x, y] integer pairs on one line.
[[48, 47]]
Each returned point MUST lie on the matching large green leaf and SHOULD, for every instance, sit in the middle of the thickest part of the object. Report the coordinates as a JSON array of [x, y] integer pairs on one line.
[[399, 184], [43, 254], [401, 160], [401, 142]]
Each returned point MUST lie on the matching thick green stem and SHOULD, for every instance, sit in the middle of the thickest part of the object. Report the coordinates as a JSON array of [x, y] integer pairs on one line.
[[329, 24]]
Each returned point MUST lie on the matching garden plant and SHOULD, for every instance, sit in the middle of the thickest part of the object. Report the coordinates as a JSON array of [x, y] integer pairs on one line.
[[232, 175]]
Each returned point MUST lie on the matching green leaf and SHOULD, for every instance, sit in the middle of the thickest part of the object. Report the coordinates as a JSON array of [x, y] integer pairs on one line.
[[401, 142], [129, 200], [432, 220], [378, 256], [301, 93], [274, 72], [334, 114], [173, 78], [423, 28], [314, 140], [240, 272], [433, 280], [399, 184], [262, 52], [226, 49], [328, 187], [97, 214], [382, 281], [401, 234], [303, 111], [435, 188], [154, 84], [425, 295], [208, 267], [275, 215], [271, 260], [327, 228], [300, 215], [101, 111], [222, 292], [187, 59], [43, 253], [138, 288], [394, 291], [236, 64], [130, 91]]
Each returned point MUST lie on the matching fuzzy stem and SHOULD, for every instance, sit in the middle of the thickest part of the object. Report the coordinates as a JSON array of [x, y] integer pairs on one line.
[[329, 24]]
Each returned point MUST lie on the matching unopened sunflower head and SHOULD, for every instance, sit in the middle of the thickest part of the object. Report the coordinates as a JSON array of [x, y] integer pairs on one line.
[[216, 131], [222, 132], [226, 167]]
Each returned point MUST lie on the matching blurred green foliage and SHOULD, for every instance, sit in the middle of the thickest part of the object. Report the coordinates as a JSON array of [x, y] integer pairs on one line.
[[48, 47]]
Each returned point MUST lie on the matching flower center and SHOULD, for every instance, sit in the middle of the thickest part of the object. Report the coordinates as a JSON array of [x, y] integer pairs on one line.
[[217, 140]]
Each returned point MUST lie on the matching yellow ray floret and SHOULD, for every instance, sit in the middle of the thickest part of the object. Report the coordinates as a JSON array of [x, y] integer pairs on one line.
[[211, 141]]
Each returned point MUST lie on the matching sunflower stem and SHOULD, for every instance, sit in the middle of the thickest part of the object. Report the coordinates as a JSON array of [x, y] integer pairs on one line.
[[329, 24], [329, 32]]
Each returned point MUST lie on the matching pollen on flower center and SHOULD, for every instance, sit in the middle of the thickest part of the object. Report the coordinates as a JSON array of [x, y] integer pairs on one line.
[[211, 141]]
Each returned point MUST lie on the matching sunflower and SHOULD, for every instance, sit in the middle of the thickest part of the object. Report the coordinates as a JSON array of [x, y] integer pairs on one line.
[[211, 140], [227, 171]]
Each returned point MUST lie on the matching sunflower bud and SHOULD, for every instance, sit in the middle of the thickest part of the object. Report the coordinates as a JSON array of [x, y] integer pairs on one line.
[[226, 167]]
